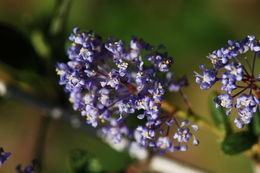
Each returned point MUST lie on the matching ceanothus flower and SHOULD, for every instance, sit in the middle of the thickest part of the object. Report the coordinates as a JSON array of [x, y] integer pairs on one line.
[[176, 84], [143, 135], [246, 100], [164, 144], [234, 71], [183, 134], [111, 81], [228, 83], [235, 75], [3, 156], [244, 116], [28, 169], [247, 106], [115, 130], [208, 79], [225, 101]]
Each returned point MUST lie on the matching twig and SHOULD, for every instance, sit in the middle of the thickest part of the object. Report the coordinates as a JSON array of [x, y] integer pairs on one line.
[[49, 109], [200, 122], [40, 141]]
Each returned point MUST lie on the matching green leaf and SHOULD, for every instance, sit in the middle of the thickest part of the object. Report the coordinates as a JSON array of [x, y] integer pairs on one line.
[[219, 116], [59, 20], [83, 162], [256, 123], [236, 143], [56, 36], [40, 44]]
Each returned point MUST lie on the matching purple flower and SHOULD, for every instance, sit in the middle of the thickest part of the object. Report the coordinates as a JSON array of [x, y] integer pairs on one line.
[[164, 144], [115, 130], [228, 83], [176, 84], [102, 77], [183, 134], [235, 71], [3, 156], [235, 76], [28, 169], [161, 61], [181, 147], [143, 135], [110, 81], [208, 79], [224, 100], [217, 61], [249, 101], [247, 105], [245, 115], [253, 43]]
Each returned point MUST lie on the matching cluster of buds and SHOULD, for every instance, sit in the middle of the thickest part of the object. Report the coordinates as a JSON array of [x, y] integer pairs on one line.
[[3, 156]]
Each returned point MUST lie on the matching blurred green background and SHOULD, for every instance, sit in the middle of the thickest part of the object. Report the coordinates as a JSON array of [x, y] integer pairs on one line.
[[190, 29]]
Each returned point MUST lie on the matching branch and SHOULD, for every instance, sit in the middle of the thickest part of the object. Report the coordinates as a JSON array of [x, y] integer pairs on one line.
[[48, 108]]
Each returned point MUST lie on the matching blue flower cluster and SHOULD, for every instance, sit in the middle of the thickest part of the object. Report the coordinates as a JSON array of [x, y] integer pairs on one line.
[[3, 156], [28, 169], [109, 81], [235, 73]]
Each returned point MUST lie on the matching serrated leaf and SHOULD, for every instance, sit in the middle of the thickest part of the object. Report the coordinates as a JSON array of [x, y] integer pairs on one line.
[[83, 162], [236, 143], [256, 123], [219, 116]]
